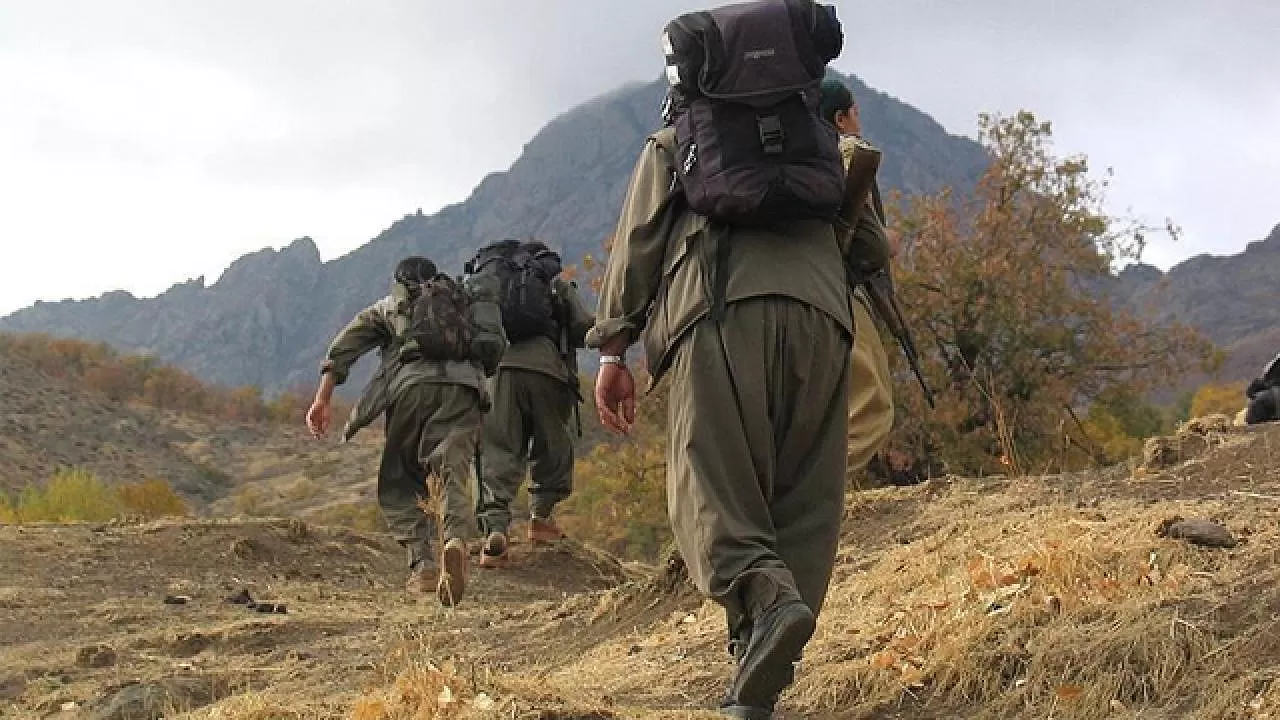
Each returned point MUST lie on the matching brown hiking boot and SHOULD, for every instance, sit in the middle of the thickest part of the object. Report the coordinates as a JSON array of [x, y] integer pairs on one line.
[[544, 530], [493, 554], [422, 579], [453, 573]]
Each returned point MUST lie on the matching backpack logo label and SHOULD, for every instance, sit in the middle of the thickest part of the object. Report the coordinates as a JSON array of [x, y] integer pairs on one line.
[[759, 54]]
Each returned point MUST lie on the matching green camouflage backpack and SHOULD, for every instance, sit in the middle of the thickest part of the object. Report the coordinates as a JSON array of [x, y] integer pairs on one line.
[[437, 323]]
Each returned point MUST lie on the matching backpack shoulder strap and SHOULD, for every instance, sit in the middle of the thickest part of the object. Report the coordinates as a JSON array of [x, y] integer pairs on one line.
[[664, 139]]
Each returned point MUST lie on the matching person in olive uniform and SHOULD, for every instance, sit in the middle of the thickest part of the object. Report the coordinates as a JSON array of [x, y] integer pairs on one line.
[[871, 403], [530, 428], [758, 410], [433, 415]]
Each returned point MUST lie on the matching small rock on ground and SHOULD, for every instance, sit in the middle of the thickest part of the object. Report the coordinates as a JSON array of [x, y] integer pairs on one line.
[[152, 701], [96, 656], [1198, 531]]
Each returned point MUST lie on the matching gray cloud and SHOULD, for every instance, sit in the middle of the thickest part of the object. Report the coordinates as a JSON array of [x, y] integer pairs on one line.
[[152, 140]]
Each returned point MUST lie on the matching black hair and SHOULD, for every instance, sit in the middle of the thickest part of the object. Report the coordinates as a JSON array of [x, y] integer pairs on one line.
[[835, 99], [414, 270]]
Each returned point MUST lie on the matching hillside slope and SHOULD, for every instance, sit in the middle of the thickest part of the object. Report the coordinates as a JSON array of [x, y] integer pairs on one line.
[[46, 425], [265, 322], [999, 598]]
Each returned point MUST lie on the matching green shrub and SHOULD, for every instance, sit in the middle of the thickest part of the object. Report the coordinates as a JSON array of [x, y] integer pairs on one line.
[[77, 495]]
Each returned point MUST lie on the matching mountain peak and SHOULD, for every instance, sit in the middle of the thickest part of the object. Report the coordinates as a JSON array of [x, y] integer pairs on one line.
[[272, 312]]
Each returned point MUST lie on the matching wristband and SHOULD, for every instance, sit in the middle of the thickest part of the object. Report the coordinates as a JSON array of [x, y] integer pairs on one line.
[[613, 360]]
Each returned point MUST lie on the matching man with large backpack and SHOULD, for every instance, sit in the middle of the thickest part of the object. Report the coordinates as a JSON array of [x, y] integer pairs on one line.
[[438, 340], [726, 266], [535, 393]]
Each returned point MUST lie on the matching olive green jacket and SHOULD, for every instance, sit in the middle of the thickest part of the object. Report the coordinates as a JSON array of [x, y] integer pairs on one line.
[[542, 354], [380, 326], [657, 282]]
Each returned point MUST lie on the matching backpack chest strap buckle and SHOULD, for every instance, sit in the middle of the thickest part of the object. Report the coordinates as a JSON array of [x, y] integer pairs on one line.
[[772, 136]]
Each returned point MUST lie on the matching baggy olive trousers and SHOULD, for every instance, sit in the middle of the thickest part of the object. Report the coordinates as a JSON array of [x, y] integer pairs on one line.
[[432, 429], [756, 463], [528, 429]]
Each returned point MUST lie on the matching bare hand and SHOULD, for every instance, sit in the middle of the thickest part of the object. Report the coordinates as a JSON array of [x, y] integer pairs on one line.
[[616, 398], [319, 417]]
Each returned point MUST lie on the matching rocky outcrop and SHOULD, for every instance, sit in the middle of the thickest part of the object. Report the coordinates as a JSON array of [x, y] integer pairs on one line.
[[1234, 300]]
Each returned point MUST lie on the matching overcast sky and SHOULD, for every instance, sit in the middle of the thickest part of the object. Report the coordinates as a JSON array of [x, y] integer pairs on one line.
[[146, 142]]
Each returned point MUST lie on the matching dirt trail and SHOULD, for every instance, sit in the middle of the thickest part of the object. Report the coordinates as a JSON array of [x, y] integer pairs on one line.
[[66, 590], [1003, 597]]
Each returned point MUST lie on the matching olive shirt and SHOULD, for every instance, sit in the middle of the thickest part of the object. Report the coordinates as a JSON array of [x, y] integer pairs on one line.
[[377, 327]]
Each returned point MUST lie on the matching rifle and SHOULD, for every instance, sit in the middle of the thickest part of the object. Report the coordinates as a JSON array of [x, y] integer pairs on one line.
[[570, 357], [884, 303], [868, 265]]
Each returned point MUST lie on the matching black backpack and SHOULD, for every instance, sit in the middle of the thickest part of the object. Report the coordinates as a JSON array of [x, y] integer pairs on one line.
[[751, 145], [524, 271]]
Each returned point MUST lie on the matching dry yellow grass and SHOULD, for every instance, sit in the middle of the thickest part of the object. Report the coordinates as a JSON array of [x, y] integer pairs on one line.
[[1036, 597]]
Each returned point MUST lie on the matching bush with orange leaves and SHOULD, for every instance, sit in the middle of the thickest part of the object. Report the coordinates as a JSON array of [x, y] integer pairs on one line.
[[1007, 292]]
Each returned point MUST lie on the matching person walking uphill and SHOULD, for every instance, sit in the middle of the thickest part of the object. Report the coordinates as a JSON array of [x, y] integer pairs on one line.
[[438, 340], [535, 392], [871, 403], [726, 266]]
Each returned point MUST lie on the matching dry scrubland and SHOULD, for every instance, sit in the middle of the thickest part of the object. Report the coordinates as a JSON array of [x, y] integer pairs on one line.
[[1003, 597]]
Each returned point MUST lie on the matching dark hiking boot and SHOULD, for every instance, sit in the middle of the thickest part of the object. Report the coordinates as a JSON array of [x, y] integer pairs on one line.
[[422, 579], [453, 573], [493, 554], [778, 637], [544, 530]]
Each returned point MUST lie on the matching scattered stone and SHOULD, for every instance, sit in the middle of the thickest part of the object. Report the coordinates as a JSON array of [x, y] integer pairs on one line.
[[1197, 531], [241, 598], [1159, 453], [177, 599], [96, 656], [155, 700], [244, 548], [269, 608], [68, 706], [189, 644]]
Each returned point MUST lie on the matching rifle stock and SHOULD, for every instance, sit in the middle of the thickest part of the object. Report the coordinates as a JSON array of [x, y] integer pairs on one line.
[[858, 181], [569, 355]]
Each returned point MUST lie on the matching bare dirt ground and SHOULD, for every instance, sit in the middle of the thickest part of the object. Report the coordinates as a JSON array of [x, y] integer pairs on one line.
[[997, 598]]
